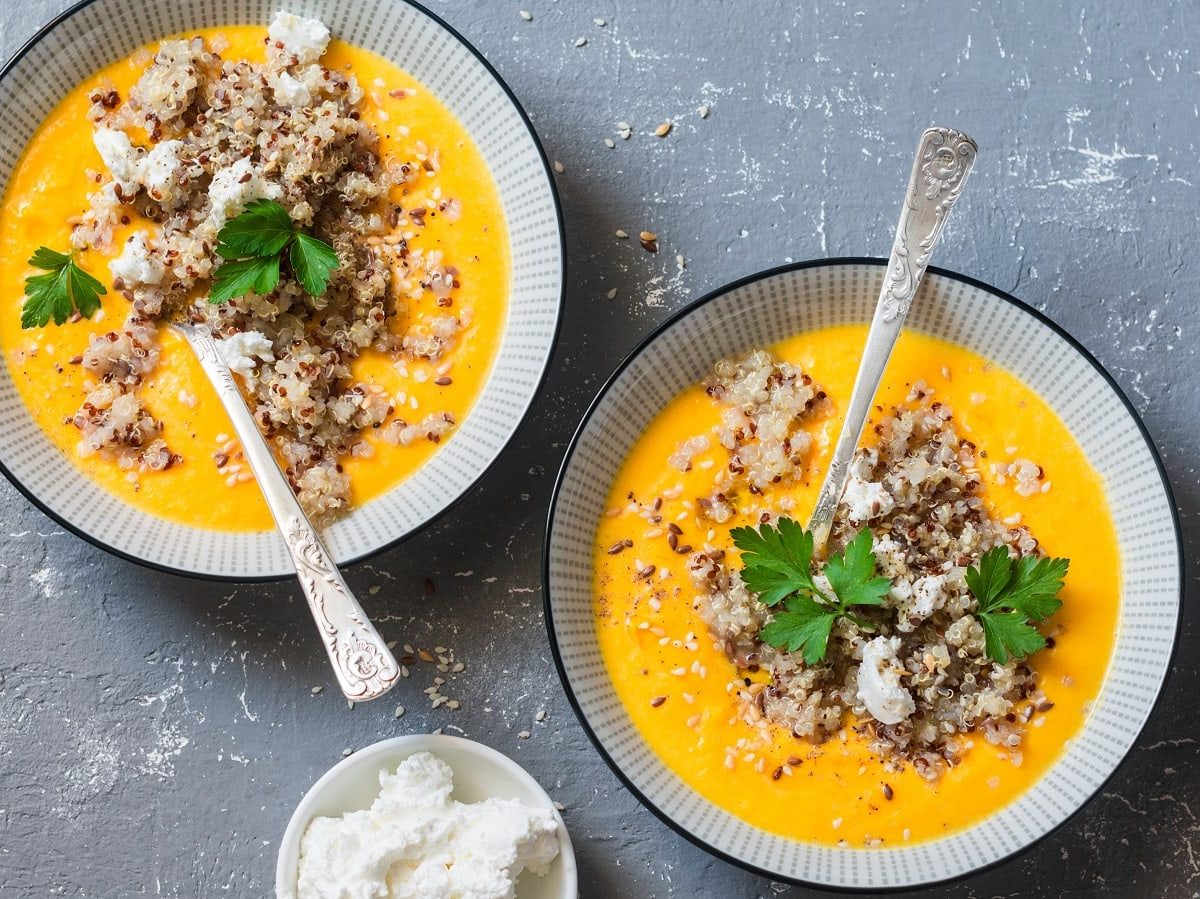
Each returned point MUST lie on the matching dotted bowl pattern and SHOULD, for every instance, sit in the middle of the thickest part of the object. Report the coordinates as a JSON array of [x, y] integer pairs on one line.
[[757, 313], [101, 31]]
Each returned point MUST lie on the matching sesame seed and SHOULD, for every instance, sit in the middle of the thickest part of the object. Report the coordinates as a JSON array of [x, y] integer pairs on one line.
[[523, 735], [540, 716], [399, 711], [317, 689], [599, 23], [580, 41], [612, 294], [664, 129], [526, 15], [347, 752], [609, 142], [621, 233], [657, 701], [558, 166]]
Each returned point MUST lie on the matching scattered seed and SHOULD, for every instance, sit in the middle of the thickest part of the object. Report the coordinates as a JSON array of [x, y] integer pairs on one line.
[[453, 704], [608, 142], [317, 689], [425, 655], [350, 704], [777, 773], [347, 752], [559, 806], [523, 735], [664, 129], [558, 166], [599, 23], [612, 294], [617, 547], [580, 41], [540, 716], [621, 233], [704, 111], [657, 701], [444, 381], [1045, 705], [399, 711], [888, 792], [526, 15]]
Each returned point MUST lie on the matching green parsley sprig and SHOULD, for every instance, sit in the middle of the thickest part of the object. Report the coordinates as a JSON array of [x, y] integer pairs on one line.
[[252, 245], [1012, 593], [60, 291], [777, 566]]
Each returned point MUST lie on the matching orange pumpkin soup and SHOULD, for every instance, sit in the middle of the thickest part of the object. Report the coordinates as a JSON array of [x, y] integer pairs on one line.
[[48, 193], [679, 686]]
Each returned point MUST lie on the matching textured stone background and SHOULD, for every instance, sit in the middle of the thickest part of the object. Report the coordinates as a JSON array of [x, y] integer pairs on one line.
[[156, 732]]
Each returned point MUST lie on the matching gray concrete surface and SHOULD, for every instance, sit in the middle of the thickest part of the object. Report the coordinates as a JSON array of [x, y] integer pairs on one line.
[[156, 732]]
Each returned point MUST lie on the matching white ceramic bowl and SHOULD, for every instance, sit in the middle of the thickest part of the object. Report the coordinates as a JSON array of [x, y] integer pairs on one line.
[[479, 772], [761, 310], [97, 32]]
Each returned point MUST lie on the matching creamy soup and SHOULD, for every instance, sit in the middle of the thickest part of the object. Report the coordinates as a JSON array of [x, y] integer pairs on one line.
[[48, 191], [678, 686]]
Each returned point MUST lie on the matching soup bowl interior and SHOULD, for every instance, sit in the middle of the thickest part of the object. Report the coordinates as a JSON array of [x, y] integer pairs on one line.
[[758, 312], [98, 32]]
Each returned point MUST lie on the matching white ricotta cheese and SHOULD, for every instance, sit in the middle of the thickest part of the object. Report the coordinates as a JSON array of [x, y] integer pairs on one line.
[[415, 842], [235, 186], [290, 92], [120, 156], [865, 500], [135, 265], [306, 39], [158, 169], [879, 686], [928, 595], [244, 350]]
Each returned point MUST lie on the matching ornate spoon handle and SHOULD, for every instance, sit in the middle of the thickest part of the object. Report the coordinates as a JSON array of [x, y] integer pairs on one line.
[[364, 666], [940, 169]]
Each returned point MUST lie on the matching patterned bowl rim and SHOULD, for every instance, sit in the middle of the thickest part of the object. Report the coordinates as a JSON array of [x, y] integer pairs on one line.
[[602, 396], [99, 542]]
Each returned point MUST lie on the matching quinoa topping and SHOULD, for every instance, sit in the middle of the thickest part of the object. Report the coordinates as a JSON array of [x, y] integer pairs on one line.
[[222, 133]]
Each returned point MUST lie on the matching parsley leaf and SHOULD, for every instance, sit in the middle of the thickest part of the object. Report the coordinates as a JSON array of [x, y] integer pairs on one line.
[[803, 624], [59, 292], [1012, 593], [776, 560], [313, 261], [852, 574], [1009, 634], [264, 228], [259, 274], [252, 245], [777, 566]]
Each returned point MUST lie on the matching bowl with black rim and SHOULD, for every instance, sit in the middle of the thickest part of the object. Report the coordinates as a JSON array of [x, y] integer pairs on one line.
[[94, 33], [759, 311]]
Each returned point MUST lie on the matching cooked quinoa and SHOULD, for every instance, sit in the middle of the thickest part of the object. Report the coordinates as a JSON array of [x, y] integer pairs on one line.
[[222, 133], [918, 491]]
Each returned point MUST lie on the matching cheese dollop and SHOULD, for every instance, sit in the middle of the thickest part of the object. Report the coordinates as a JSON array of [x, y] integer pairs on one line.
[[879, 687], [415, 842]]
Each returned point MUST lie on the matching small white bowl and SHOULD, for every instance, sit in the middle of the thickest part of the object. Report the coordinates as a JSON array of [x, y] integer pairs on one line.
[[479, 773]]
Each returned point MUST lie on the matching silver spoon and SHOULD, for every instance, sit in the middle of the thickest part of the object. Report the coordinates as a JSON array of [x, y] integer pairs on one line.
[[940, 169], [364, 666]]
